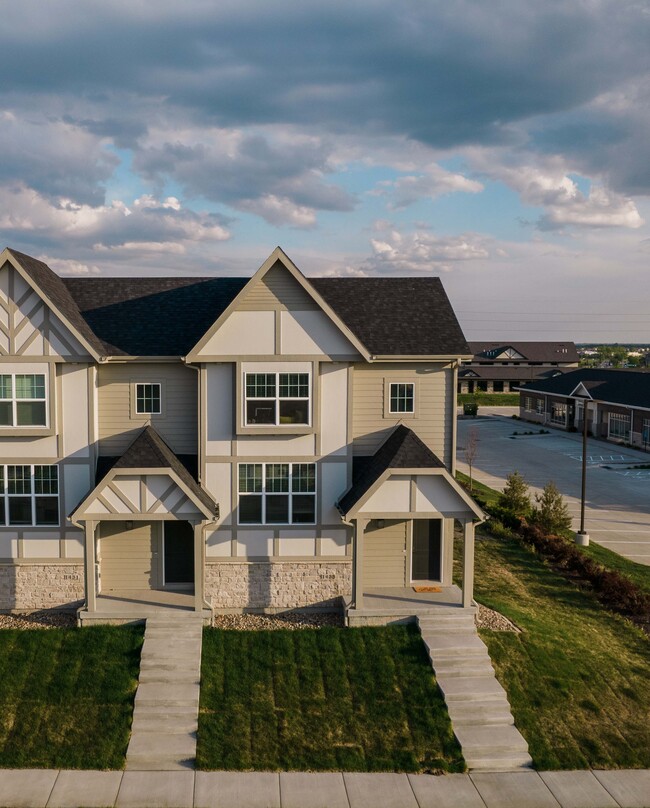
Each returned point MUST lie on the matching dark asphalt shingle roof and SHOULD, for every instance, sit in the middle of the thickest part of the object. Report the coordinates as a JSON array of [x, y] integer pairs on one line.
[[521, 373], [168, 316], [149, 450], [406, 316], [627, 387], [402, 449], [539, 351]]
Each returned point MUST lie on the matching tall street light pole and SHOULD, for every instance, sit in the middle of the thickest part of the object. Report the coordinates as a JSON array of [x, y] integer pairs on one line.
[[582, 537]]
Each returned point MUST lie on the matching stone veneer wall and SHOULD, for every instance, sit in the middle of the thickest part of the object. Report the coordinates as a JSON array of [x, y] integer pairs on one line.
[[29, 587], [272, 586]]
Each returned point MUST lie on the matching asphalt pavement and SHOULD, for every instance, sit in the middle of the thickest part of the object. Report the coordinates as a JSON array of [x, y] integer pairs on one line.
[[617, 504]]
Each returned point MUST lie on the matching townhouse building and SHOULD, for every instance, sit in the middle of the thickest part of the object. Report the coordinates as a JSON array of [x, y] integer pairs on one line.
[[227, 444]]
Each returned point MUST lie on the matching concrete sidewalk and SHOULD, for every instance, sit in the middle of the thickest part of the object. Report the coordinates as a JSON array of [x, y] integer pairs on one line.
[[42, 788]]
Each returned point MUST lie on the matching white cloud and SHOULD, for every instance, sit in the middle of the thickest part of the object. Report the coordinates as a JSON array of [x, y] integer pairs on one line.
[[434, 182], [421, 251]]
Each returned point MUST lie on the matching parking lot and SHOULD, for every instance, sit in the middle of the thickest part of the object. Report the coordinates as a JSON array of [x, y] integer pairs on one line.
[[618, 498]]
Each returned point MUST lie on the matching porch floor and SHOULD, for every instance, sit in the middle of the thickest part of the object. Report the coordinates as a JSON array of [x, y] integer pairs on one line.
[[401, 604], [135, 605]]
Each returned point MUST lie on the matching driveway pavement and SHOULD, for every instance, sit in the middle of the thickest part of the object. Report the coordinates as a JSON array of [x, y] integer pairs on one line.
[[617, 512]]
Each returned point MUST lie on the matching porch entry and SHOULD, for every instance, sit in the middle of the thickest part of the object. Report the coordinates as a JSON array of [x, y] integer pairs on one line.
[[136, 555], [426, 556]]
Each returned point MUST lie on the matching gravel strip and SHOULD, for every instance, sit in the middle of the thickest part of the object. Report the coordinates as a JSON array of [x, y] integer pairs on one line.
[[287, 620], [43, 619], [495, 621]]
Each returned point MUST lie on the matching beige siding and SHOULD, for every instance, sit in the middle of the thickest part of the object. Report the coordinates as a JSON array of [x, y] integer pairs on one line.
[[178, 422], [127, 556], [433, 410], [278, 287], [384, 556]]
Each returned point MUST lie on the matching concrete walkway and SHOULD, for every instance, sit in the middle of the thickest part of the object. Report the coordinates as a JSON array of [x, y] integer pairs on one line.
[[478, 706], [166, 710], [42, 788]]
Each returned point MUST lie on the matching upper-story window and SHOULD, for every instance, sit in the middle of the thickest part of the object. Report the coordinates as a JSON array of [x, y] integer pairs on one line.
[[23, 399], [29, 495], [275, 399], [402, 397], [148, 398]]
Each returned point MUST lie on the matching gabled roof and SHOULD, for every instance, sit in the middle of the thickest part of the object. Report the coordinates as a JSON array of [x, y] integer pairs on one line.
[[57, 295], [170, 316], [630, 388], [540, 351], [279, 258], [402, 449], [520, 373]]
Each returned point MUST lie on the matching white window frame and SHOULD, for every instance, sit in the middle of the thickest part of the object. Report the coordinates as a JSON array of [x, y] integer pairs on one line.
[[15, 401], [619, 418], [264, 493], [390, 398], [159, 411], [528, 403], [645, 432], [539, 406], [277, 399], [32, 495]]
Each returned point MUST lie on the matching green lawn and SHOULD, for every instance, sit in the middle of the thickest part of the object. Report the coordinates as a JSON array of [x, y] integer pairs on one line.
[[361, 699], [66, 696], [577, 676], [488, 495]]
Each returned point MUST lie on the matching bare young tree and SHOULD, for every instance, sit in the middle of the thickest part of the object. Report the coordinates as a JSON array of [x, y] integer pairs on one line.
[[471, 451]]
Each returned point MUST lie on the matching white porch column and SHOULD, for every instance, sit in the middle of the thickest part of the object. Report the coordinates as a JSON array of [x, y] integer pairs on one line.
[[199, 566], [468, 563], [357, 562], [90, 555]]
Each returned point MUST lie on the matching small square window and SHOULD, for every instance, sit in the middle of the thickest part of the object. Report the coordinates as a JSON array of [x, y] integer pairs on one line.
[[402, 397], [147, 399]]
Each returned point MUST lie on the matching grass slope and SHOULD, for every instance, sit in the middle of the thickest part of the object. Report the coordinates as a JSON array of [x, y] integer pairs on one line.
[[66, 696], [577, 676], [360, 699]]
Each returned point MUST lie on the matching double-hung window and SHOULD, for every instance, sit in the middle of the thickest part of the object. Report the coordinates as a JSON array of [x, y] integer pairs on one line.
[[539, 406], [29, 495], [23, 399], [402, 397], [277, 493], [148, 398], [277, 399]]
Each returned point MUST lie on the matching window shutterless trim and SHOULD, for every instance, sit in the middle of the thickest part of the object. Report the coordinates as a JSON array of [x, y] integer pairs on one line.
[[142, 396], [267, 491], [15, 401], [276, 398], [37, 490], [405, 397]]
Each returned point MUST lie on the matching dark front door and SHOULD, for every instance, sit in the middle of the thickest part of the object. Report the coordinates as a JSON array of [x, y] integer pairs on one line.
[[427, 550], [179, 553]]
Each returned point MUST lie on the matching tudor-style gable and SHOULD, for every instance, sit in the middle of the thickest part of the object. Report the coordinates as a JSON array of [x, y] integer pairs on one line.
[[278, 313]]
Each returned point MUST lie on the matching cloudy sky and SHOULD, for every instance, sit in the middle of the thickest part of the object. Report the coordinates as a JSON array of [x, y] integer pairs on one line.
[[504, 146]]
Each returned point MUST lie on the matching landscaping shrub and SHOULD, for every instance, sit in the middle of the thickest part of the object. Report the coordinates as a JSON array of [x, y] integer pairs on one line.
[[551, 512], [515, 497]]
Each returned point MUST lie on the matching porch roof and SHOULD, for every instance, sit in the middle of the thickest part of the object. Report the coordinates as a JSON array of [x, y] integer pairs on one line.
[[150, 453]]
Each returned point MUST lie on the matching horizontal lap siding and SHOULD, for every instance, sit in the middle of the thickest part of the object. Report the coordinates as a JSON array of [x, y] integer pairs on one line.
[[126, 556], [277, 287], [177, 425], [432, 421], [384, 555]]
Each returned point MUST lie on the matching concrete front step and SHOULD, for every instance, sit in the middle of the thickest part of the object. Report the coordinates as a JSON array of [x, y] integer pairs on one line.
[[493, 713], [162, 676], [478, 689], [441, 644], [473, 666], [499, 763], [486, 740], [153, 746], [172, 724], [178, 694], [180, 711]]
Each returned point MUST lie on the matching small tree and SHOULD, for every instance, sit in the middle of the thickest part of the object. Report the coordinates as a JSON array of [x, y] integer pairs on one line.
[[471, 450], [516, 496], [552, 512]]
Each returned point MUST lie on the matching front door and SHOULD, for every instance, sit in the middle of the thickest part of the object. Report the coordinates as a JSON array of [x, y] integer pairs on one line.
[[427, 550], [178, 553]]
